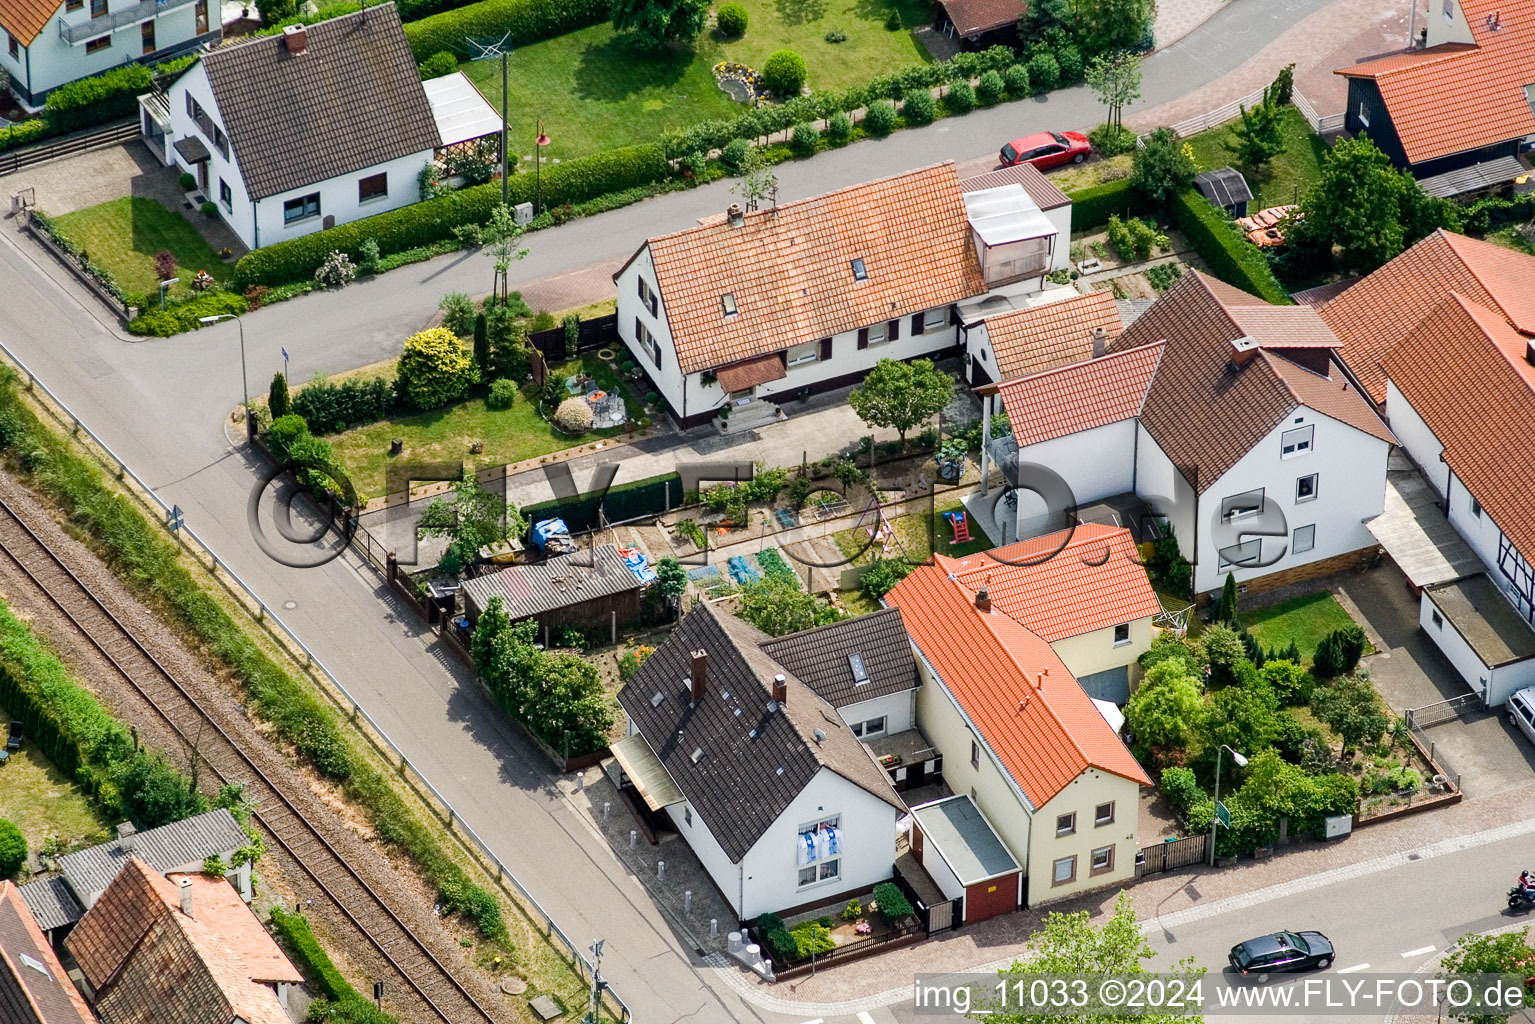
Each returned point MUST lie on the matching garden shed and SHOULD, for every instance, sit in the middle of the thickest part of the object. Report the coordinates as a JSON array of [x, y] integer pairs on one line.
[[1225, 187], [589, 588], [957, 846], [1482, 635]]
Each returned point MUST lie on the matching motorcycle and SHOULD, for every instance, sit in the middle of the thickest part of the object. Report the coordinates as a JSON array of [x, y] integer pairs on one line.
[[1518, 898]]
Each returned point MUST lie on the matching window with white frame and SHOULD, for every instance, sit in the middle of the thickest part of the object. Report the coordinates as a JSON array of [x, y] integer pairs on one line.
[[1304, 539], [687, 815], [1102, 860], [818, 851], [1476, 508], [1121, 634], [1065, 824], [1064, 871], [1449, 10], [1103, 814], [302, 208], [1295, 442], [1240, 506], [1305, 488], [647, 341], [1364, 114], [1436, 618], [809, 352], [879, 334], [934, 319], [869, 727], [647, 294], [975, 754]]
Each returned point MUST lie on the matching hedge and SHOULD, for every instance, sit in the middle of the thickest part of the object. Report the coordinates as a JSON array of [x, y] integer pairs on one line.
[[23, 134], [1092, 207], [104, 97], [521, 21], [409, 227], [1230, 257], [632, 500], [316, 965]]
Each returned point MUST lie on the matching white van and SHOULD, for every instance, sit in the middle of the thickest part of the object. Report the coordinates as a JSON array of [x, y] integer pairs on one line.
[[1521, 711]]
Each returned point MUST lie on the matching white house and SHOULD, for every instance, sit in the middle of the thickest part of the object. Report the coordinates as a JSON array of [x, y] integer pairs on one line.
[[1229, 416], [810, 295], [762, 778], [1023, 743], [324, 124], [48, 43]]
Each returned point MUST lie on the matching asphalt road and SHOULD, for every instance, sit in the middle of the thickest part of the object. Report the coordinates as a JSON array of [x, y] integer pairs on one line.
[[159, 404]]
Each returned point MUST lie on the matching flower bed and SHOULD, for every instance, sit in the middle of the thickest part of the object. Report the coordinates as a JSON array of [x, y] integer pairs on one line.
[[744, 77]]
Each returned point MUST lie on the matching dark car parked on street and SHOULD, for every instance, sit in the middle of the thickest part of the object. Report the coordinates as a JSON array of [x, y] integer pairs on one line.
[[1281, 951]]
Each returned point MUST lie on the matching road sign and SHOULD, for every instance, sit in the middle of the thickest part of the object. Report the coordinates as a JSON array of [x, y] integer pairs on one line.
[[1222, 815], [176, 522]]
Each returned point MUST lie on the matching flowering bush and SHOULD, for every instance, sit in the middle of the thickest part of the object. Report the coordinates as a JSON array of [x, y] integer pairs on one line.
[[336, 271], [202, 282], [574, 416], [863, 928], [435, 368]]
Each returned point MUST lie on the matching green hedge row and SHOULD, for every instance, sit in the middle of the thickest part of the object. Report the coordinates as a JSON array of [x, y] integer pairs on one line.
[[431, 221], [623, 501], [139, 552], [318, 967], [105, 97], [521, 21], [1229, 255], [1092, 207], [23, 134]]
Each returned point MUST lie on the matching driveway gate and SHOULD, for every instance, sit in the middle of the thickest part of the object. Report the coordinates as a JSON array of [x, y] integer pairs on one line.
[[1176, 853]]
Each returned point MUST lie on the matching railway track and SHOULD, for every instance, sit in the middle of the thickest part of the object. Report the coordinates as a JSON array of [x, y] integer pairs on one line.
[[440, 993]]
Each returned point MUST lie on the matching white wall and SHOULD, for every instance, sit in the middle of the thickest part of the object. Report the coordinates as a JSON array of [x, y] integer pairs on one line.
[[1454, 647], [668, 376], [1061, 218], [938, 868], [1351, 471], [1095, 464], [1416, 438], [899, 710], [1442, 29]]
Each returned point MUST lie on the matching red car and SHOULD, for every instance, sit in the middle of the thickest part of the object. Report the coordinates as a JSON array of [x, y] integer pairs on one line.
[[1047, 149]]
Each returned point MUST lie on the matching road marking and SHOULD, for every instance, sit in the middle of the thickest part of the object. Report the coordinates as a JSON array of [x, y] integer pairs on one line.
[[1419, 952], [818, 1020], [864, 1017], [1356, 967]]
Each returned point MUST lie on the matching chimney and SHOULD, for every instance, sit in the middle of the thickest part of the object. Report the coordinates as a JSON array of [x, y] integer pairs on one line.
[[700, 675], [186, 895], [296, 38], [734, 215], [983, 600], [127, 836], [780, 689], [1100, 340], [1242, 351]]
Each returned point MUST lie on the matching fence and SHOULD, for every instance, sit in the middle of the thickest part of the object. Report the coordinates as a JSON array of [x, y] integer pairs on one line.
[[1321, 124], [100, 138], [1177, 853], [331, 686], [1204, 122], [855, 950], [1420, 718], [594, 334]]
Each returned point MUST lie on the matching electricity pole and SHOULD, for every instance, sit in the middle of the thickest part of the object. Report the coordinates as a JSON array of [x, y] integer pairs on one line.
[[597, 983]]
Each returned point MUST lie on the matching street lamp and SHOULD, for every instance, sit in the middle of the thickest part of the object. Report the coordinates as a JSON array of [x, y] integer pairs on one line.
[[1215, 819], [538, 181], [250, 421]]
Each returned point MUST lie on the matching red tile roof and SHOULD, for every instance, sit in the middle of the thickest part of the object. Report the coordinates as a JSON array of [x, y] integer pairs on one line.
[[972, 17], [1205, 412], [1464, 371], [33, 986], [24, 19], [1081, 396], [1085, 579], [1031, 713], [1452, 98], [1377, 313], [790, 271], [748, 373], [1055, 334]]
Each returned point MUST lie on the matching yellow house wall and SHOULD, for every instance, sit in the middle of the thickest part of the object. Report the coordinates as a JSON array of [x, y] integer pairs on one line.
[[1091, 652], [1082, 796]]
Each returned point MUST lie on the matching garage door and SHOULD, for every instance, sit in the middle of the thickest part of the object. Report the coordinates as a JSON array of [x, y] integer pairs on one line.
[[1113, 685]]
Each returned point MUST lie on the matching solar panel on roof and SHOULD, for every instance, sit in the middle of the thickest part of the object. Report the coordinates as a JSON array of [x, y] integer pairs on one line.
[[860, 674]]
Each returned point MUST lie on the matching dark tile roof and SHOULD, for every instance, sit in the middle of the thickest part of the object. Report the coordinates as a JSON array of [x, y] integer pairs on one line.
[[820, 657], [352, 100], [752, 761], [51, 902], [560, 582], [192, 149], [33, 986], [1223, 186], [972, 17], [177, 845], [1040, 189]]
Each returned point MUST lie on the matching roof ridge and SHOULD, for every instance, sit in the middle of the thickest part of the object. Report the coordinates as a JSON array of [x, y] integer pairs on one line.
[[218, 54], [1094, 361]]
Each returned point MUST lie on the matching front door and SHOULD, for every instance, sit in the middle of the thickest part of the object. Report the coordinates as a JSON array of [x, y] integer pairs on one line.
[[202, 176], [741, 397]]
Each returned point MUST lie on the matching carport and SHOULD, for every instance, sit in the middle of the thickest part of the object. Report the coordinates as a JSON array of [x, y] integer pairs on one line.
[[1415, 533]]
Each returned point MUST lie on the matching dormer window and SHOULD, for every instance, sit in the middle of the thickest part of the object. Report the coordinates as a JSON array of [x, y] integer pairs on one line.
[[860, 272], [728, 301]]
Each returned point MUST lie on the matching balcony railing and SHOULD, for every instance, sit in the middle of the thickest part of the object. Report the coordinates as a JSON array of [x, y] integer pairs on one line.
[[91, 29]]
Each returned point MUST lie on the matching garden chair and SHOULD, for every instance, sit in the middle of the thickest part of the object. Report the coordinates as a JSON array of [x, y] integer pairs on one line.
[[13, 740]]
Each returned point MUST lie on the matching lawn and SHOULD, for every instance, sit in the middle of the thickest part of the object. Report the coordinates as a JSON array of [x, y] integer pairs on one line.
[[1286, 176], [913, 538], [122, 236], [509, 435], [42, 802], [1305, 620], [594, 90]]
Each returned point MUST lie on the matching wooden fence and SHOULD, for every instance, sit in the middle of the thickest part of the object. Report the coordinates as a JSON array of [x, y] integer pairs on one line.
[[1165, 856], [594, 334]]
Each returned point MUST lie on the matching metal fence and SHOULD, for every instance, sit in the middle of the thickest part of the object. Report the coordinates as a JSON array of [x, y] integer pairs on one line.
[[328, 682], [1165, 856], [100, 138], [1421, 718]]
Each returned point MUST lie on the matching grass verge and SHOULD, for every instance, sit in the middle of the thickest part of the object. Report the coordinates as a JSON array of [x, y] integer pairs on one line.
[[1288, 175], [123, 235], [43, 802]]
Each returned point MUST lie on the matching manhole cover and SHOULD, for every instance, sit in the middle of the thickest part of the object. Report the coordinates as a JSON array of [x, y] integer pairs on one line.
[[514, 986], [290, 605], [545, 1008]]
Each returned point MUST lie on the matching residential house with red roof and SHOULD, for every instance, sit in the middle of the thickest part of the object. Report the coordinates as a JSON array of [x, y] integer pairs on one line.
[[1231, 418], [1022, 742], [1461, 100], [34, 989], [751, 308], [183, 949]]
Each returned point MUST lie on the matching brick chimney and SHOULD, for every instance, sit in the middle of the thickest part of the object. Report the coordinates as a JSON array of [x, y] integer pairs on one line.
[[296, 38], [780, 689], [700, 675], [186, 895], [1242, 351], [983, 600], [734, 215]]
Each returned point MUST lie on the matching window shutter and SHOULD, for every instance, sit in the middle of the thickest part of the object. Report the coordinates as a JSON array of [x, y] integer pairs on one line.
[[895, 328], [639, 331], [652, 303], [953, 315], [916, 324], [639, 286], [863, 337], [825, 349]]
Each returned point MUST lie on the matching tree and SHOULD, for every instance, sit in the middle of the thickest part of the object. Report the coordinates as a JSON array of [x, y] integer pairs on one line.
[[1226, 610], [1115, 79], [1225, 651], [154, 792], [1509, 953], [1353, 709], [758, 182], [475, 518], [671, 580], [658, 23], [1166, 709], [1047, 20], [1241, 718], [901, 395], [1291, 683], [13, 849], [1071, 944], [1105, 25], [273, 11], [500, 237], [779, 606], [881, 577], [1255, 137], [1355, 208], [277, 400], [569, 707], [784, 74], [482, 347], [1162, 167], [435, 368]]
